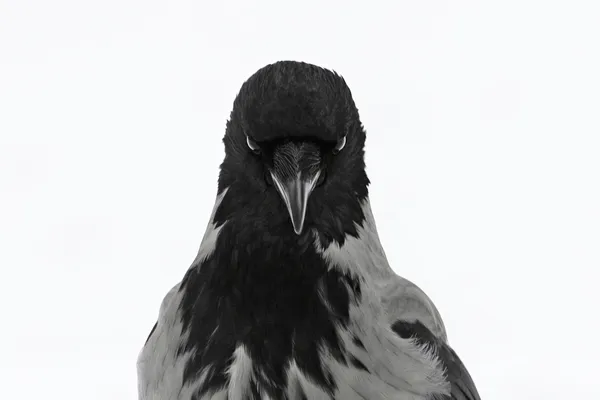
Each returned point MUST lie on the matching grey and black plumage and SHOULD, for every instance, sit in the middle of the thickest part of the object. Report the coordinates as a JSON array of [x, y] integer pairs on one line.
[[291, 295]]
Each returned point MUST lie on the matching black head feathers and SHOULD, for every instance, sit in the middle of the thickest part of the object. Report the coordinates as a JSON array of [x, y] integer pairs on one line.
[[294, 151], [295, 99]]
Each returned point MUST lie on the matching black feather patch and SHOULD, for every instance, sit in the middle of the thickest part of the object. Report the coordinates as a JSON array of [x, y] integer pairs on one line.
[[278, 298], [358, 343], [358, 364]]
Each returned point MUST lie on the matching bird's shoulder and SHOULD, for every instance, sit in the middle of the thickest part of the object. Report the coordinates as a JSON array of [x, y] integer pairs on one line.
[[457, 375], [159, 366], [413, 315], [404, 300], [164, 306]]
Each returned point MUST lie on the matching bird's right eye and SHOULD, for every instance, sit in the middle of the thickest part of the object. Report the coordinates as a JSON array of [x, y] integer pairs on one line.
[[252, 145]]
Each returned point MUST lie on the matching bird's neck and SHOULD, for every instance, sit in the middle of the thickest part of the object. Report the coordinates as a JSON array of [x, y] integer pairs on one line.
[[282, 260]]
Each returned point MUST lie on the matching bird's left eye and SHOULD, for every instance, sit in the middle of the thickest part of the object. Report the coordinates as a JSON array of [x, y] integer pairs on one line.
[[252, 145], [339, 145]]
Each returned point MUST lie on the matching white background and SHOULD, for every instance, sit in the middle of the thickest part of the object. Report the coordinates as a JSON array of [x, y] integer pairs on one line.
[[483, 142]]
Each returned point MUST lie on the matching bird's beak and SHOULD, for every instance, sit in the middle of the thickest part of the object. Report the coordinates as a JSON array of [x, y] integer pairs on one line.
[[295, 192]]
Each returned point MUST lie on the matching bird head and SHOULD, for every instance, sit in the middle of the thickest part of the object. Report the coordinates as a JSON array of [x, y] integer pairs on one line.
[[294, 155]]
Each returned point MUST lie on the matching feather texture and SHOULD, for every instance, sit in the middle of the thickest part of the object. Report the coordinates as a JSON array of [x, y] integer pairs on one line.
[[267, 311]]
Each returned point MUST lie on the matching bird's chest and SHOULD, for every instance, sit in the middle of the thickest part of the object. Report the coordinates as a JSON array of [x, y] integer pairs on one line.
[[284, 350], [259, 371], [256, 342]]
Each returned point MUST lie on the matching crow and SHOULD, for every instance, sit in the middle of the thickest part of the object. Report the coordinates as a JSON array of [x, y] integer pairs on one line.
[[291, 296]]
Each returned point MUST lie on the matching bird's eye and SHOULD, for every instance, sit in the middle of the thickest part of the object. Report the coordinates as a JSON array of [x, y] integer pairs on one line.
[[339, 145], [252, 145]]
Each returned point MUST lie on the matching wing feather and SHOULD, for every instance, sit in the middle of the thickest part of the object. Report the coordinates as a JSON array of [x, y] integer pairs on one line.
[[461, 383]]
